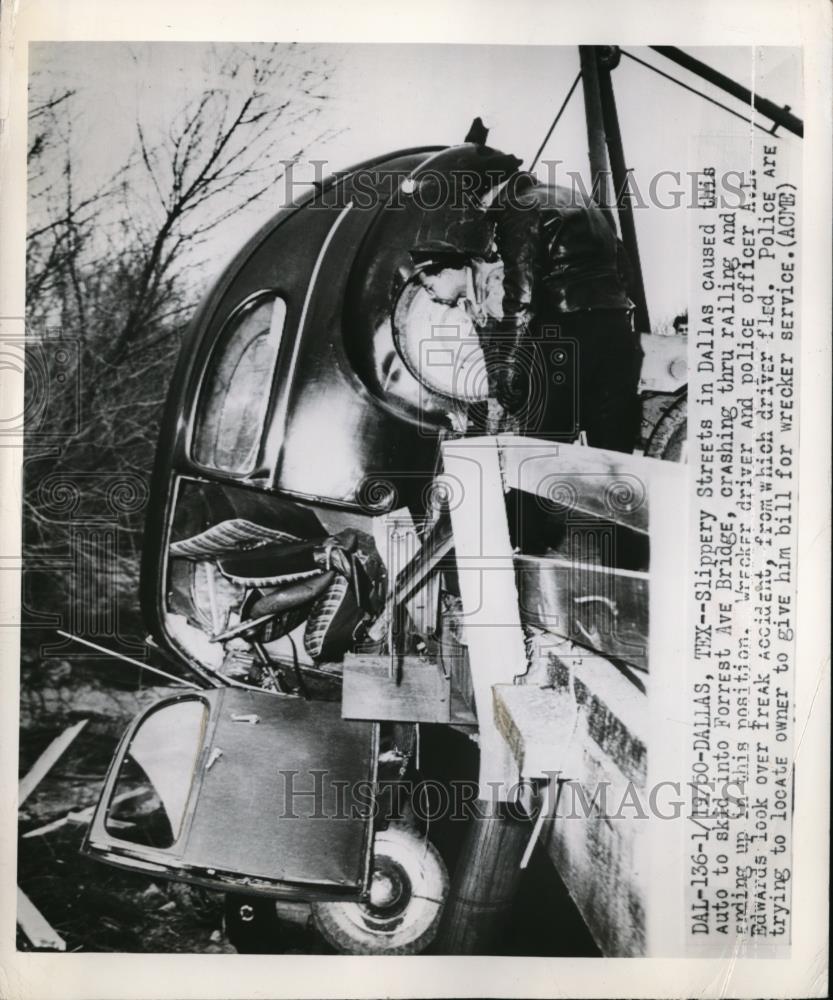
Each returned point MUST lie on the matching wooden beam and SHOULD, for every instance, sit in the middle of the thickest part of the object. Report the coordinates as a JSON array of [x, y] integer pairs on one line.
[[538, 724], [491, 618]]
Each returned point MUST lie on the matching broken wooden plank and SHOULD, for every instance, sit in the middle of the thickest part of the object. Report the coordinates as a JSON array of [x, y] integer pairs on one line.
[[55, 825], [46, 761], [35, 925]]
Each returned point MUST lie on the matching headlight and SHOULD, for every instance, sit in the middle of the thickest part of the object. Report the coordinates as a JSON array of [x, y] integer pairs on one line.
[[436, 336]]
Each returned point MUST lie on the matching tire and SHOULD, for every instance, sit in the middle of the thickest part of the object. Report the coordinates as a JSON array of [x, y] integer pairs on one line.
[[669, 438], [408, 891]]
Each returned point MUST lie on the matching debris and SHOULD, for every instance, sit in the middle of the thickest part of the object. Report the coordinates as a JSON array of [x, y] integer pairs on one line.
[[35, 926], [152, 894], [546, 812], [45, 762], [108, 708], [126, 659], [56, 825], [83, 817]]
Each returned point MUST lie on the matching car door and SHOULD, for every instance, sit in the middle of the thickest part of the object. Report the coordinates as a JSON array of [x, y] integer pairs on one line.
[[238, 788]]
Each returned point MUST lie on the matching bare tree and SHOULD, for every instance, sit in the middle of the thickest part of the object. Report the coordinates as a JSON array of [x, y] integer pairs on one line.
[[57, 243], [112, 263], [222, 152]]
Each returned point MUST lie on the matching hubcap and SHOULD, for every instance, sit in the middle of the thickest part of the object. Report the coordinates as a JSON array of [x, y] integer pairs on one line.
[[389, 888]]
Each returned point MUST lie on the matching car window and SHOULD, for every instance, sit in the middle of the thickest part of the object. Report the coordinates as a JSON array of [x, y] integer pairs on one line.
[[154, 781], [235, 391]]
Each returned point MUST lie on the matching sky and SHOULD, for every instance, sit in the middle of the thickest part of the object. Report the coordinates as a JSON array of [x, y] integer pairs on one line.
[[384, 97]]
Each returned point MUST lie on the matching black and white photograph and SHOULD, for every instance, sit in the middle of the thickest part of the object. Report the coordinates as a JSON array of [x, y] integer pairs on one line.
[[407, 469]]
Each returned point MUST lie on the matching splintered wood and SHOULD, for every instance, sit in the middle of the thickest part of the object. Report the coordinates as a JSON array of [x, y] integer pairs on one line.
[[45, 762], [35, 926], [30, 920]]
